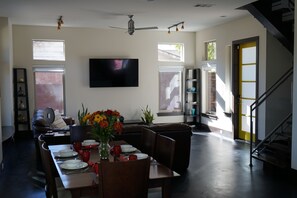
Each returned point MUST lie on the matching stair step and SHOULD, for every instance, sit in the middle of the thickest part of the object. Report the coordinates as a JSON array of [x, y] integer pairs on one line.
[[268, 158], [280, 148]]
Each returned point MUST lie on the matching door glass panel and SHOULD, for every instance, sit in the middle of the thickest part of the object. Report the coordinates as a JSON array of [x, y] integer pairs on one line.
[[245, 124], [245, 106], [248, 90], [249, 73], [249, 55]]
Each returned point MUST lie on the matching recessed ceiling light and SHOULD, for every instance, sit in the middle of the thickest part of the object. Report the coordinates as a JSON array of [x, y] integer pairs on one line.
[[203, 5]]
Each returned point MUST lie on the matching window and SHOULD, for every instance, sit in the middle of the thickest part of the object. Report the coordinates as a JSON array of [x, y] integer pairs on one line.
[[51, 50], [171, 52], [210, 50], [49, 88], [170, 89], [211, 92], [209, 79]]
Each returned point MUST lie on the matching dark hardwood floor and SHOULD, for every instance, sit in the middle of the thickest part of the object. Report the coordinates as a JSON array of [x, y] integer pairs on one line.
[[219, 167]]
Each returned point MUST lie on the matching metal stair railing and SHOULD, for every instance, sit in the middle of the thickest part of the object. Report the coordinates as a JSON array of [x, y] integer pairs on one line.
[[259, 101], [272, 132]]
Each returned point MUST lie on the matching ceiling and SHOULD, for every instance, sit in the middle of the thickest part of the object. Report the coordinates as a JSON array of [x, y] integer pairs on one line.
[[106, 13]]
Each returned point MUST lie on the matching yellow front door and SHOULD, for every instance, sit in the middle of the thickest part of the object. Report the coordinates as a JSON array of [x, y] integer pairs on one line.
[[247, 87]]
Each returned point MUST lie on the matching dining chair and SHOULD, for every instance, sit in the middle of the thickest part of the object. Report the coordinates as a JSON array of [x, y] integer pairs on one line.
[[148, 140], [40, 141], [125, 179], [79, 133], [164, 150], [54, 187]]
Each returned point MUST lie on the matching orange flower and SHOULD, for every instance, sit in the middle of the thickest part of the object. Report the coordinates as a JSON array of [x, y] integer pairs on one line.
[[105, 123], [118, 126]]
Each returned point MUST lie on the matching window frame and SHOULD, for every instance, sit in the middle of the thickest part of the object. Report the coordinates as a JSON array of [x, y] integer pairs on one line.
[[181, 85], [208, 66], [52, 69], [48, 40], [182, 59], [207, 58]]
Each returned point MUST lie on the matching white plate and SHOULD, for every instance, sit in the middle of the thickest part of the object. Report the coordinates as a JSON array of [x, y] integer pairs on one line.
[[124, 146], [128, 149], [69, 153], [89, 143], [73, 166], [72, 161], [141, 155]]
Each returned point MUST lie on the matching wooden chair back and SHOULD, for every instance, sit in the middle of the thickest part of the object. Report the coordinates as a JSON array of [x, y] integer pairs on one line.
[[79, 133], [39, 152], [125, 179], [164, 150], [51, 188], [148, 140]]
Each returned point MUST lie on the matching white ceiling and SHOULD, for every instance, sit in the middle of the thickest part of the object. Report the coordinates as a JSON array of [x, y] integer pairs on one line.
[[105, 13]]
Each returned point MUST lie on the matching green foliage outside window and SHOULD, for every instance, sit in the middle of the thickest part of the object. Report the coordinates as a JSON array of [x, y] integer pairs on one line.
[[211, 50]]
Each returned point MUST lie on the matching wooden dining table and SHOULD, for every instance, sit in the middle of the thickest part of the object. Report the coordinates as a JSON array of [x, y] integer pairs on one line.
[[84, 181]]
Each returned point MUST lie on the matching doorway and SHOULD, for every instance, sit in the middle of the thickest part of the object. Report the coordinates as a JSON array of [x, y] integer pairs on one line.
[[245, 86]]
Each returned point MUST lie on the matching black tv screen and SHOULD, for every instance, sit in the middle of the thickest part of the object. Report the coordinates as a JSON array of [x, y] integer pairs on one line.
[[113, 72]]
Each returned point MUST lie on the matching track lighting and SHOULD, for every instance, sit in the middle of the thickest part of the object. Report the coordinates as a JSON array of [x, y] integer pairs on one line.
[[176, 26], [60, 22]]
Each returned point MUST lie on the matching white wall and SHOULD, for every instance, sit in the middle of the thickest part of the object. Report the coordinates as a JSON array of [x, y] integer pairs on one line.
[[224, 35], [278, 61], [6, 88], [6, 96], [82, 44]]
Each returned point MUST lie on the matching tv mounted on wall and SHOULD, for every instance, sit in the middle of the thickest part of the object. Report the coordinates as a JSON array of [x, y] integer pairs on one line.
[[116, 72]]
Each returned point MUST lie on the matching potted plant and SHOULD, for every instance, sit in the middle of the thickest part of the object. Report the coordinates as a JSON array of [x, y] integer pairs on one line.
[[81, 131], [148, 116], [82, 115]]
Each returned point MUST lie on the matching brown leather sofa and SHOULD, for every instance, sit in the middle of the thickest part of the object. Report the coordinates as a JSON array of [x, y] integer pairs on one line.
[[42, 124], [180, 132]]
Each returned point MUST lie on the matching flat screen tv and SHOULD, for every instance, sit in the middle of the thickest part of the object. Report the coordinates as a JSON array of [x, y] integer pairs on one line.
[[116, 72]]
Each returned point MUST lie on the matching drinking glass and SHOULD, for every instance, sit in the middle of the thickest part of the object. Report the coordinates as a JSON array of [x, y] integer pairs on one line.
[[86, 155]]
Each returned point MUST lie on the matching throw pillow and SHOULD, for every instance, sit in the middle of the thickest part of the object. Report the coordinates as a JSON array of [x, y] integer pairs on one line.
[[58, 122]]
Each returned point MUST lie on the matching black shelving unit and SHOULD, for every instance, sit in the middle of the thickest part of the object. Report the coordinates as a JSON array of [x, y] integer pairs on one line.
[[21, 102], [192, 106]]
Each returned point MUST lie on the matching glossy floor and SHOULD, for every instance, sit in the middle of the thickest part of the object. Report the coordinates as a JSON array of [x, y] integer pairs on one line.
[[219, 167]]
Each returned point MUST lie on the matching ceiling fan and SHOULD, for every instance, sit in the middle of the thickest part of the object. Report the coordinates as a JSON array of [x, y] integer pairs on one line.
[[131, 27]]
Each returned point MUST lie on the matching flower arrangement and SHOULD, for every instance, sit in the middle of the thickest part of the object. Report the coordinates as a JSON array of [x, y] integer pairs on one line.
[[104, 124], [82, 116]]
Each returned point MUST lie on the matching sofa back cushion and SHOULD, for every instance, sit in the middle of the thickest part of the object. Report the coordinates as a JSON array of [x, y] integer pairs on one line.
[[58, 123]]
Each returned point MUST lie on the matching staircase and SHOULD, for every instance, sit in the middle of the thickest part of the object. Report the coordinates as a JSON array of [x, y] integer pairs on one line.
[[277, 16], [275, 149]]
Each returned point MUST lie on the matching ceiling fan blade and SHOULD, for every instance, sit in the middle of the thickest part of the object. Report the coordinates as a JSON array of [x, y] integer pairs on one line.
[[147, 28], [118, 28]]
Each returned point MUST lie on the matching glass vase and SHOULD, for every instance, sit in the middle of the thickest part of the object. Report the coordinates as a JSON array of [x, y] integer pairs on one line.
[[104, 149]]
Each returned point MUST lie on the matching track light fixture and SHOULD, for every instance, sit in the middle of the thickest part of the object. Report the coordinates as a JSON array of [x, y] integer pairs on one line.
[[176, 26], [60, 22]]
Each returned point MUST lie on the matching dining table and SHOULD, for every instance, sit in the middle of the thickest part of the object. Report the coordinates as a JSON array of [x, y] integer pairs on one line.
[[84, 181]]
